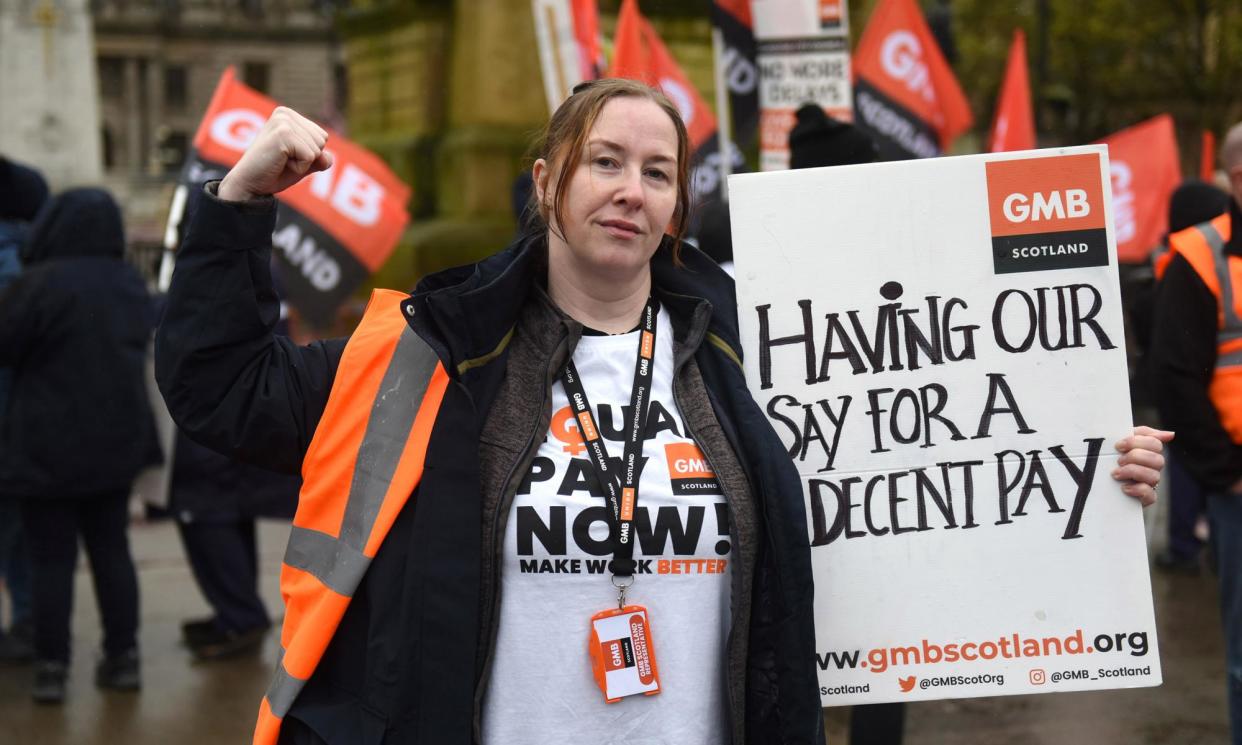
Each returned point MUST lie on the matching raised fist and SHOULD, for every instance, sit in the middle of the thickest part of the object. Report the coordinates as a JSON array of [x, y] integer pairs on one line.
[[288, 148]]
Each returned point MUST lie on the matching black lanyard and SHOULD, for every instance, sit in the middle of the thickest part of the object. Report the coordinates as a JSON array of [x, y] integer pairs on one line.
[[621, 490]]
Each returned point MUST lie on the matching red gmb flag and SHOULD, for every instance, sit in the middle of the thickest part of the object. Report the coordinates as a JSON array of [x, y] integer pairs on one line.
[[640, 54], [334, 228], [1145, 169], [905, 94], [1014, 125], [732, 19], [1207, 156], [739, 9], [586, 33]]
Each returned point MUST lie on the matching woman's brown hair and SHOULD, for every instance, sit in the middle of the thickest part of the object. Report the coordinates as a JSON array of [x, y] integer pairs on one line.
[[563, 141]]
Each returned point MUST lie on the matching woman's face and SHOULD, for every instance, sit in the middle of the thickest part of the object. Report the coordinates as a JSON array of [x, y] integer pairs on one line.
[[622, 195]]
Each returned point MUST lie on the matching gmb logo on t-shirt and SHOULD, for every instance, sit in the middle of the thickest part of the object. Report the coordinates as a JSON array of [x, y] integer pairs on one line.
[[688, 470]]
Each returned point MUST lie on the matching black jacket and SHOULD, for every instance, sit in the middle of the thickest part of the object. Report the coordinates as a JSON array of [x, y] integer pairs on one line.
[[74, 327], [210, 487], [403, 665], [1183, 358]]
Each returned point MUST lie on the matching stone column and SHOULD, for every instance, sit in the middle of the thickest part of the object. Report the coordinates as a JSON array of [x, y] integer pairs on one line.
[[449, 98], [496, 100], [49, 110], [153, 114], [134, 155]]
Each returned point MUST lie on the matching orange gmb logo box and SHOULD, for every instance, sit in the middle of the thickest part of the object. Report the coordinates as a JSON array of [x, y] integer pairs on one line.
[[830, 13], [686, 461], [618, 654], [1047, 213], [689, 472]]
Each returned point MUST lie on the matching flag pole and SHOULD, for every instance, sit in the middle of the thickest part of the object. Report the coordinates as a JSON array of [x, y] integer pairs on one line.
[[724, 126], [168, 257]]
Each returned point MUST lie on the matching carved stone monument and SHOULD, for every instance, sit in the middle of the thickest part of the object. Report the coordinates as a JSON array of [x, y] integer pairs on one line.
[[49, 110]]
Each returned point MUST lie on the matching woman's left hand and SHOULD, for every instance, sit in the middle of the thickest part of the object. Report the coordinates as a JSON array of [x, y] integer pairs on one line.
[[1139, 467]]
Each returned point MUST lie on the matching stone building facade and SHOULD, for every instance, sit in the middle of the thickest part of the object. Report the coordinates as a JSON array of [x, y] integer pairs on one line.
[[448, 92], [48, 112], [158, 62]]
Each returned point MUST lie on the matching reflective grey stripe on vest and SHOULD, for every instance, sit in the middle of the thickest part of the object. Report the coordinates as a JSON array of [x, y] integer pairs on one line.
[[283, 689], [392, 415], [336, 564], [1220, 262], [339, 563], [1230, 359], [1231, 330]]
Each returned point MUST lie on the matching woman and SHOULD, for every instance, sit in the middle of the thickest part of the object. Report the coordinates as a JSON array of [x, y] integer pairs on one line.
[[472, 596]]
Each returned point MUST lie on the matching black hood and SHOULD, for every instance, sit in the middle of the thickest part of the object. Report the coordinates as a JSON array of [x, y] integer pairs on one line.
[[818, 140], [77, 223], [1194, 202], [22, 191]]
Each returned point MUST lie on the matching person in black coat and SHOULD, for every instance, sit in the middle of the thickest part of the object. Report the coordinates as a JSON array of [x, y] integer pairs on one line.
[[22, 193], [215, 501], [1191, 203], [74, 327]]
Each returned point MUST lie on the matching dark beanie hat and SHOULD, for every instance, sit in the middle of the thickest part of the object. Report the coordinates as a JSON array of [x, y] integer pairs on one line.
[[1194, 202], [819, 140], [22, 191], [715, 233]]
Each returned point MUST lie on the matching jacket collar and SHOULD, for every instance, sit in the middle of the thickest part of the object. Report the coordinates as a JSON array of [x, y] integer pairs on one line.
[[467, 313]]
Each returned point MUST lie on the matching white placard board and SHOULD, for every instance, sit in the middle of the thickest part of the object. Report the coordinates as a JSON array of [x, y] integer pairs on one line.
[[939, 344], [803, 57]]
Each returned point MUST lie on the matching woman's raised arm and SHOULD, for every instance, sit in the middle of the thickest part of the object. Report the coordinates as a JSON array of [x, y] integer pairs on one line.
[[231, 383]]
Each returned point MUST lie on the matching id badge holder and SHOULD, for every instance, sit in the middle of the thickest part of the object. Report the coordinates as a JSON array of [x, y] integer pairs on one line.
[[622, 653]]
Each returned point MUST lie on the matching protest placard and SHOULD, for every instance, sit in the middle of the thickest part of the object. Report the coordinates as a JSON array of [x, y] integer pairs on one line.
[[939, 345], [803, 57]]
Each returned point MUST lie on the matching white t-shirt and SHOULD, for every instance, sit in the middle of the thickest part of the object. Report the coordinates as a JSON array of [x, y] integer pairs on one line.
[[554, 574]]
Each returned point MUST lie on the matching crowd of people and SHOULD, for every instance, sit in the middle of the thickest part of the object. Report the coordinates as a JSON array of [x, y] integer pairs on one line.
[[414, 440], [75, 327]]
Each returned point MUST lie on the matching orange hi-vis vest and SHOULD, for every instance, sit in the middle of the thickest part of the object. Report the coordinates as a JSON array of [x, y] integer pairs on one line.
[[1204, 247], [1160, 257], [361, 467]]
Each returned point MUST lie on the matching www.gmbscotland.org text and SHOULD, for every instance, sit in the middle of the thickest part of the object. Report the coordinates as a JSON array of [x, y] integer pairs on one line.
[[1014, 646]]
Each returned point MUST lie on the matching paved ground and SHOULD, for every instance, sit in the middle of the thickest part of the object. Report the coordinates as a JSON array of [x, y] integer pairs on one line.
[[188, 704]]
